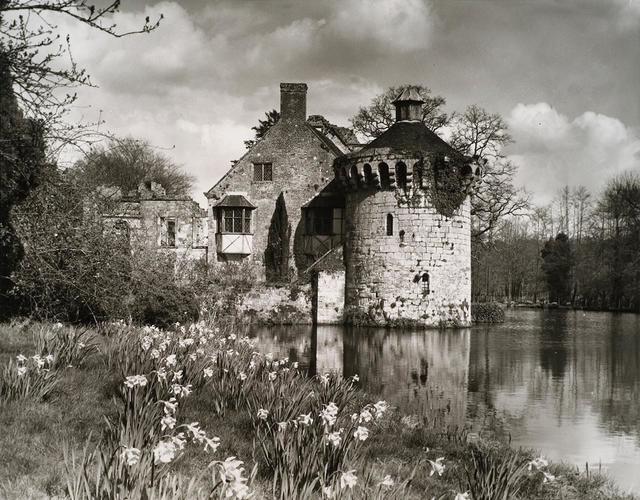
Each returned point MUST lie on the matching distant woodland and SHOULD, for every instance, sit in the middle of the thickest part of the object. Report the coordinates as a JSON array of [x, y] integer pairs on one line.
[[582, 249]]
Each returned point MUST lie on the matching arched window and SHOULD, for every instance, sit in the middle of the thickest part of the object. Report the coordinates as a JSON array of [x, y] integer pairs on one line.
[[368, 174], [383, 170], [401, 175], [425, 282], [355, 177], [389, 225]]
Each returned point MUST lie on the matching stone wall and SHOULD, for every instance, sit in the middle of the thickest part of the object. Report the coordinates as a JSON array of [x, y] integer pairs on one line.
[[301, 164], [266, 305], [384, 274], [143, 218], [329, 297]]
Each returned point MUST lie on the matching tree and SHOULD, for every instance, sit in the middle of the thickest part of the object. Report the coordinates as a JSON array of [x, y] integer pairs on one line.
[[263, 125], [72, 269], [478, 133], [40, 60], [276, 254], [21, 169], [125, 163], [557, 264], [375, 119]]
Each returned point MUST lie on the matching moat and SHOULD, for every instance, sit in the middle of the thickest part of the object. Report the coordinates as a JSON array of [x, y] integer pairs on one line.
[[564, 382]]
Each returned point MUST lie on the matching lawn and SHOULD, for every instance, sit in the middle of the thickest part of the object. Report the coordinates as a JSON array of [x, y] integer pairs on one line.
[[105, 426]]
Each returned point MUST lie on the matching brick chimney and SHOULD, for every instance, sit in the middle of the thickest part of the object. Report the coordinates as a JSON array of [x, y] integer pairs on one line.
[[293, 102]]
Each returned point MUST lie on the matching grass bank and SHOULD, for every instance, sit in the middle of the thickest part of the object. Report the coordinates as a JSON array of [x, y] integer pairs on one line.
[[197, 412]]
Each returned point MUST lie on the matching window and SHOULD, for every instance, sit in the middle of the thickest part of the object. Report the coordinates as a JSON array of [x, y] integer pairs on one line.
[[262, 172], [235, 220], [368, 174], [324, 221], [167, 232], [425, 282], [383, 169], [389, 225], [401, 175]]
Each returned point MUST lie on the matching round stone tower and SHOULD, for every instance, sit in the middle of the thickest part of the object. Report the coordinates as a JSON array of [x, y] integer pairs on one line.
[[408, 229]]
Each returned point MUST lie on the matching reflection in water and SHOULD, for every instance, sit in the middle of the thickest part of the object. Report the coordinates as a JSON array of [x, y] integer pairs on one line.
[[564, 382], [421, 372]]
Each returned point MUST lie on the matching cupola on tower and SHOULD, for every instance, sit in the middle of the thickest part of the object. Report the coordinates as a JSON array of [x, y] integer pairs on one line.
[[407, 226]]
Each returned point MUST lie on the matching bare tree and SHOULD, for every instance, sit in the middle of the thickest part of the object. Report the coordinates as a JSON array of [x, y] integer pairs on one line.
[[45, 75], [478, 133], [373, 120]]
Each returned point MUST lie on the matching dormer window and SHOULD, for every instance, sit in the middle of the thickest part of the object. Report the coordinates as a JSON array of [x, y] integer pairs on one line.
[[262, 172], [234, 214]]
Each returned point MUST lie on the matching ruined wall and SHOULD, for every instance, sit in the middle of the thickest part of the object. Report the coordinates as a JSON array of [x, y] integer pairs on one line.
[[384, 273], [191, 226], [329, 297]]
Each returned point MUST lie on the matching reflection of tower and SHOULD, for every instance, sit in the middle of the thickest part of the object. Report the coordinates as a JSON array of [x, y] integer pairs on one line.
[[328, 349], [408, 240], [425, 373]]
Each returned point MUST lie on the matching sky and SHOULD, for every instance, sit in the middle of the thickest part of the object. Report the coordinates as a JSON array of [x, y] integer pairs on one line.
[[564, 74]]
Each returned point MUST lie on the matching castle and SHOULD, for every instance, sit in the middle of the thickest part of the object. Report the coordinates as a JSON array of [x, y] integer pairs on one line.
[[392, 216]]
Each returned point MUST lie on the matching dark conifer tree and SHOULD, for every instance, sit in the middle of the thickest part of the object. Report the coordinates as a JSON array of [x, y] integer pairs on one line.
[[276, 255]]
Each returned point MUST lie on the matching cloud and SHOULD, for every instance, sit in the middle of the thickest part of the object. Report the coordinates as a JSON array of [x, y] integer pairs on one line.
[[389, 25], [553, 151]]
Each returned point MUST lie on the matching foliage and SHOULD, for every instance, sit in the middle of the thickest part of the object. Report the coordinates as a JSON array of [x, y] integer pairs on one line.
[[557, 264], [158, 295], [72, 267], [263, 126], [40, 61], [28, 378], [276, 254], [374, 120], [21, 169], [491, 475], [69, 346], [487, 312], [478, 133], [125, 163], [226, 283]]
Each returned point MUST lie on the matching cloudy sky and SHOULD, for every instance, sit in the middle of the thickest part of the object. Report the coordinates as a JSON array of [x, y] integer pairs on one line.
[[565, 74]]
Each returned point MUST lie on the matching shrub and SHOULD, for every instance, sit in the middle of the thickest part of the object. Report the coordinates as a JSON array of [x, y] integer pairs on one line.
[[487, 312], [227, 282]]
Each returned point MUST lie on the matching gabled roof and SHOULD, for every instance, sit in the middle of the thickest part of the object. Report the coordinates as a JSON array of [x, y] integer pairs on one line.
[[236, 201]]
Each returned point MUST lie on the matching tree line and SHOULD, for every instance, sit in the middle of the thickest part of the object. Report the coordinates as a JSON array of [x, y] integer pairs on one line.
[[582, 249]]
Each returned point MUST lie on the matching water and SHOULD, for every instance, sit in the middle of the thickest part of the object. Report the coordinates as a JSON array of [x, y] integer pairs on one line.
[[564, 382]]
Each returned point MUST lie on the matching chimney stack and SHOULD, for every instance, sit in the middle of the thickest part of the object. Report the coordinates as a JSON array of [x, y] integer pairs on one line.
[[293, 102]]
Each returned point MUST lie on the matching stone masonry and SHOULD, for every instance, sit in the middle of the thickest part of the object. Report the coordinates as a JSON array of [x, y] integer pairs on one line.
[[301, 158], [408, 228]]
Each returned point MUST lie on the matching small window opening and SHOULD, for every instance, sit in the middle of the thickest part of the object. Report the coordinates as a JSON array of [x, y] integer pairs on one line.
[[171, 233], [401, 175], [425, 282], [262, 172], [389, 225], [383, 169], [167, 232], [401, 234]]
